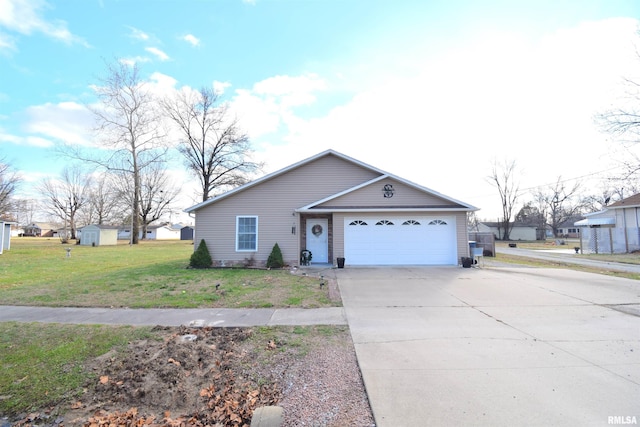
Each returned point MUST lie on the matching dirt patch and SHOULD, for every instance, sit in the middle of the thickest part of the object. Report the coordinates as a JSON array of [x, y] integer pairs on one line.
[[218, 376]]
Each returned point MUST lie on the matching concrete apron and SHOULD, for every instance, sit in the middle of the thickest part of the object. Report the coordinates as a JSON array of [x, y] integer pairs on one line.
[[500, 346]]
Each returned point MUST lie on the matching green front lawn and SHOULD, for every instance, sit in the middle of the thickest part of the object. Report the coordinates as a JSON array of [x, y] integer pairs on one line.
[[152, 274]]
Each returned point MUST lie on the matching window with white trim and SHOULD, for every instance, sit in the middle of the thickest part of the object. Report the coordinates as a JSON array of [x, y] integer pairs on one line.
[[411, 222], [357, 222], [384, 222], [246, 233], [437, 222]]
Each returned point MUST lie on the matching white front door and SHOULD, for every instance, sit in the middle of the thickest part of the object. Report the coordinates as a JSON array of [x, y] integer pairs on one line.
[[317, 239]]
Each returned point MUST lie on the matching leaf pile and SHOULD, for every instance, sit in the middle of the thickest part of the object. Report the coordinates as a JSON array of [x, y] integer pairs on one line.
[[135, 390]]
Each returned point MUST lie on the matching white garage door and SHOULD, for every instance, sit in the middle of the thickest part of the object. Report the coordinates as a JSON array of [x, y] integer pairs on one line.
[[400, 240]]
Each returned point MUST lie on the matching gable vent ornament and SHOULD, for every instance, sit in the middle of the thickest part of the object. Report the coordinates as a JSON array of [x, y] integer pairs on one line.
[[387, 191]]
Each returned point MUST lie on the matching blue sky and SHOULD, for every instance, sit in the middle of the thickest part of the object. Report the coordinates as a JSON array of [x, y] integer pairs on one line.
[[432, 91]]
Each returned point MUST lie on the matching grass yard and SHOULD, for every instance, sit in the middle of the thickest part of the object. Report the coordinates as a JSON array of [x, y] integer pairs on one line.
[[37, 271], [42, 364]]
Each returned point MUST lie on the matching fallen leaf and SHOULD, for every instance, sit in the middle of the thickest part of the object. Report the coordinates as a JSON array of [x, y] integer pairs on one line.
[[76, 405], [104, 379], [271, 345], [172, 360]]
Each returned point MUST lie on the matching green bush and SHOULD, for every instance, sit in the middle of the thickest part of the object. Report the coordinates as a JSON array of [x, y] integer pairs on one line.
[[201, 257], [275, 258]]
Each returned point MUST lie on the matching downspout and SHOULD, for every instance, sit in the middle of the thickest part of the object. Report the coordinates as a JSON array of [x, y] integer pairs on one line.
[[624, 224], [637, 226]]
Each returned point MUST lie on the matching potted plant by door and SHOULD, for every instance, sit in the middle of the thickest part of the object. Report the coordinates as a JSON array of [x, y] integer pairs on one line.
[[340, 262]]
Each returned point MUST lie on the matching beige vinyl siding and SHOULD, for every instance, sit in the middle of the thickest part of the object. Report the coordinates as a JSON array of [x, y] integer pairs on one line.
[[274, 201], [373, 195], [462, 234]]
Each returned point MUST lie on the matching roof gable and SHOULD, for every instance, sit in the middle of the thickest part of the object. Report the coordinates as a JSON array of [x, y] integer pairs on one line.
[[356, 176], [629, 202], [387, 192], [287, 170]]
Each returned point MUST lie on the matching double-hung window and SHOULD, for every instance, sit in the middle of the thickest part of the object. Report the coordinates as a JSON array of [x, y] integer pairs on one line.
[[246, 233]]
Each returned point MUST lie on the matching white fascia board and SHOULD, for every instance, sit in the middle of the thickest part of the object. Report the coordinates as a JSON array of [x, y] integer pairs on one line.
[[383, 210]]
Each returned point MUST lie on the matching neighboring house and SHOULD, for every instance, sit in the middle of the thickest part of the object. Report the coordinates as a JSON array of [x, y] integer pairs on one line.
[[162, 232], [5, 235], [519, 231], [335, 207], [17, 231], [615, 229], [98, 235], [154, 232], [41, 229], [568, 228], [186, 233]]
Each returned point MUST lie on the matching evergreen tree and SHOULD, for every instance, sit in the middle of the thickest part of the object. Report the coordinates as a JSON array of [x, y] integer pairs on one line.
[[275, 258], [201, 258]]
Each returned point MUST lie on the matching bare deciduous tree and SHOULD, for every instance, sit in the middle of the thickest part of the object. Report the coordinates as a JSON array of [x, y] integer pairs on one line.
[[559, 203], [65, 197], [157, 195], [130, 128], [9, 180], [504, 179], [103, 201], [214, 147], [532, 215]]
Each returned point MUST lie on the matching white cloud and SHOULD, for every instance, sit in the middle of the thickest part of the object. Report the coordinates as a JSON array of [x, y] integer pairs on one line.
[[191, 39], [501, 97], [25, 17], [162, 84], [133, 60], [158, 53], [220, 87], [7, 42], [33, 141], [66, 122], [139, 34], [271, 102]]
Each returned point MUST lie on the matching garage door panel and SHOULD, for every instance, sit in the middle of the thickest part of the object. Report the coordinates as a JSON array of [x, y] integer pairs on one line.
[[422, 241]]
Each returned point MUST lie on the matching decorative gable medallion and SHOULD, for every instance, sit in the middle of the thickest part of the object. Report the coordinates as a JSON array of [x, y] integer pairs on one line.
[[387, 191]]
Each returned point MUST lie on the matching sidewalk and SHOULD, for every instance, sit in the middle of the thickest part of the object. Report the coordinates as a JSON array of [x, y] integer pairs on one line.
[[220, 317]]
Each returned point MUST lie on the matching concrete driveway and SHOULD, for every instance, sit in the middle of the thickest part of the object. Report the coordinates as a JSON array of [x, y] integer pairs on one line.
[[495, 346]]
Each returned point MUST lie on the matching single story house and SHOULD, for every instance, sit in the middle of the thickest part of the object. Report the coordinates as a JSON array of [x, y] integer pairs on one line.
[[568, 229], [41, 229], [5, 235], [615, 229], [154, 232], [98, 235], [519, 231], [335, 207]]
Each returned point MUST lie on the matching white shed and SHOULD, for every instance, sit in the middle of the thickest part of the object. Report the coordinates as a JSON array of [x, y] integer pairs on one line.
[[5, 236], [98, 235]]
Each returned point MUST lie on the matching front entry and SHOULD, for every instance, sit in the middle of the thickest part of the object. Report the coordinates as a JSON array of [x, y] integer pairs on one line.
[[317, 239]]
